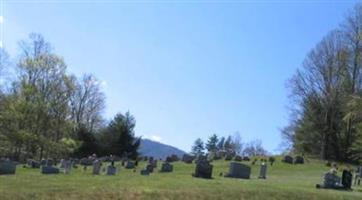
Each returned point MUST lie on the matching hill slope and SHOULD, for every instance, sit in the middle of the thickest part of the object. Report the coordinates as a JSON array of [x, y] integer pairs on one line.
[[158, 150]]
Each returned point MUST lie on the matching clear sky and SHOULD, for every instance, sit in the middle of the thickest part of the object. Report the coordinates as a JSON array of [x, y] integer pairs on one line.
[[184, 69]]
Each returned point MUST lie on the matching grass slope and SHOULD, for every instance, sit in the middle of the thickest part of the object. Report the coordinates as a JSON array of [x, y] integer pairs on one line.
[[284, 182]]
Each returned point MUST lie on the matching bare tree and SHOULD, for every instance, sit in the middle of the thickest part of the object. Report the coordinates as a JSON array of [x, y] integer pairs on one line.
[[87, 102]]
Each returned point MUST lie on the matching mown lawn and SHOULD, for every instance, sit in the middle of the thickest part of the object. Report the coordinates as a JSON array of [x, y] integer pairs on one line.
[[284, 181]]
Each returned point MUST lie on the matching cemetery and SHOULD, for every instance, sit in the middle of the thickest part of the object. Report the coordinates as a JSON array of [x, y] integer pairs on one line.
[[182, 180], [185, 69]]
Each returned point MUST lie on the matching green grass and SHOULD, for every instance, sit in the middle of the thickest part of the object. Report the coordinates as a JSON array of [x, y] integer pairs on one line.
[[284, 181]]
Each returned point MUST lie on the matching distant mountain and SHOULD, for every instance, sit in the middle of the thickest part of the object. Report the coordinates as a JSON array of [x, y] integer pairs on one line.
[[158, 150]]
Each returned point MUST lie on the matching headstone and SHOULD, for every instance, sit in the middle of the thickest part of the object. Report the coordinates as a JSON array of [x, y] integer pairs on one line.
[[263, 169], [332, 181], [347, 179], [129, 165], [175, 158], [149, 168], [358, 176], [288, 159], [172, 158], [166, 167], [33, 164], [111, 170], [49, 162], [153, 163], [228, 157], [86, 161], [7, 167], [188, 158], [201, 158], [359, 171], [96, 167], [239, 170], [67, 166], [217, 156], [145, 172], [298, 160], [43, 162], [76, 161], [238, 158], [203, 170], [221, 153], [62, 163], [49, 170]]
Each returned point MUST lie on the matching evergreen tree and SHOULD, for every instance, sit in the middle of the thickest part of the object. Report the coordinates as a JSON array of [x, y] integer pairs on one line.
[[211, 144], [220, 144], [198, 147], [119, 137]]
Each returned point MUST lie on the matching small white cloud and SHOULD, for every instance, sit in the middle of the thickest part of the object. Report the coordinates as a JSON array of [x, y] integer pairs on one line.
[[1, 19], [156, 138]]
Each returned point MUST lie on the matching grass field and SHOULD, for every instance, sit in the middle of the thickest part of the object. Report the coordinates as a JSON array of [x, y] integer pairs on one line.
[[284, 181]]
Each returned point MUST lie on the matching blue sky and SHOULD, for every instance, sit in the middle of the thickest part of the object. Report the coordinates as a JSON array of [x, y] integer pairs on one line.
[[184, 69]]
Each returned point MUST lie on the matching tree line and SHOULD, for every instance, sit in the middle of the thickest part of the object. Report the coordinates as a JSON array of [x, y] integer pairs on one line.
[[231, 144], [326, 117], [45, 112]]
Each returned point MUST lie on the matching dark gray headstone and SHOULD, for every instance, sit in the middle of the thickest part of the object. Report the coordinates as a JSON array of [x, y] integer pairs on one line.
[[49, 162], [111, 170], [153, 163], [166, 167], [33, 164], [7, 167], [288, 159], [129, 165], [203, 170], [331, 180], [239, 170], [228, 157], [49, 170], [347, 179], [43, 162], [201, 158], [238, 158], [86, 161], [298, 160], [149, 168], [188, 158], [145, 172]]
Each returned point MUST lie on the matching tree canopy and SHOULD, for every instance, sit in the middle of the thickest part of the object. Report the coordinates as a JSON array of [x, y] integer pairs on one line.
[[47, 112], [323, 121]]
